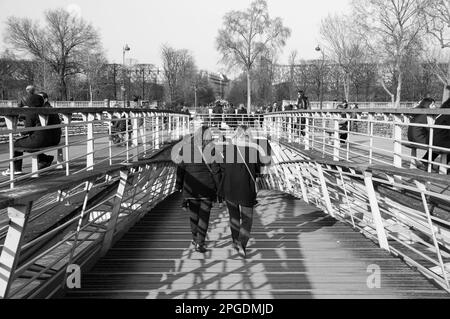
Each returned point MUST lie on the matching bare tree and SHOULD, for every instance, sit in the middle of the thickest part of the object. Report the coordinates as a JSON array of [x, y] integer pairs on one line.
[[248, 34], [59, 43], [93, 65], [179, 72], [392, 30], [343, 46], [436, 18]]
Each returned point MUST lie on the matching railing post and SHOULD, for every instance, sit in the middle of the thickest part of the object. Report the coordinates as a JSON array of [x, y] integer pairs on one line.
[[135, 135], [370, 132], [326, 195], [376, 215], [89, 118], [11, 124], [169, 128], [143, 130], [336, 138], [18, 217], [289, 130], [157, 131], [111, 227], [67, 118], [397, 135], [307, 132]]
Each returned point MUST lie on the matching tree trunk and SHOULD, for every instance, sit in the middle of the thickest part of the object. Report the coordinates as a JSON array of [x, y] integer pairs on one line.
[[388, 92], [399, 89], [249, 92], [446, 94], [347, 87], [63, 86]]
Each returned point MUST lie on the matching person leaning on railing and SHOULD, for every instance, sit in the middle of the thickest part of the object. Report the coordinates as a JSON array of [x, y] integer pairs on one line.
[[421, 134], [35, 140], [31, 99], [303, 104], [441, 136], [343, 123]]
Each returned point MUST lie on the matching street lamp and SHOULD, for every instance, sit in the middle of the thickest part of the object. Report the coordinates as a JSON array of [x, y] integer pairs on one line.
[[126, 48], [319, 49]]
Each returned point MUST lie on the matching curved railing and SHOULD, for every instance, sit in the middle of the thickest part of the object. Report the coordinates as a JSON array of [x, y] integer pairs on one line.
[[90, 137], [377, 136], [406, 212], [89, 211]]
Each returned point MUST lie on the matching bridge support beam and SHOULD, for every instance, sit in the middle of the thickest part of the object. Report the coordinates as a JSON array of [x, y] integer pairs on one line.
[[18, 217], [375, 209], [326, 195], [111, 227], [89, 118], [397, 135]]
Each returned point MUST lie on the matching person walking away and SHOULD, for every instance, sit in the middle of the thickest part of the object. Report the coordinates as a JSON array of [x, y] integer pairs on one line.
[[196, 181], [238, 185], [421, 134]]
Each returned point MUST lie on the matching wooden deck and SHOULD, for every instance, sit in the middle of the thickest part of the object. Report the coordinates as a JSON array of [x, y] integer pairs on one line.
[[296, 252]]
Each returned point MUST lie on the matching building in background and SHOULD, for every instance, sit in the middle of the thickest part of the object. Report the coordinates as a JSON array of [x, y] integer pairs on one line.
[[219, 82]]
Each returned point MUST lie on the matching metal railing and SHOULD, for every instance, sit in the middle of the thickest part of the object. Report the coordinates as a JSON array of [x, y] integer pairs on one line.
[[99, 207], [363, 136], [405, 212], [91, 137], [356, 180]]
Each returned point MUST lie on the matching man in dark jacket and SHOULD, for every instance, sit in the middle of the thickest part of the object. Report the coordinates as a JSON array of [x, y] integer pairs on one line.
[[421, 134], [31, 99], [37, 139], [217, 114], [441, 136], [302, 104]]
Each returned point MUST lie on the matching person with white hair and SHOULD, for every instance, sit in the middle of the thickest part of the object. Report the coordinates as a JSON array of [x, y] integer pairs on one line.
[[31, 99], [238, 174]]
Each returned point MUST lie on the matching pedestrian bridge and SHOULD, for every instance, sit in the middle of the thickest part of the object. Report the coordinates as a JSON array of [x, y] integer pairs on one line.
[[337, 216]]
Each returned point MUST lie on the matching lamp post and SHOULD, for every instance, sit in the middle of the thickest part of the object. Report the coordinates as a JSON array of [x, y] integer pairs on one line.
[[319, 49], [125, 49]]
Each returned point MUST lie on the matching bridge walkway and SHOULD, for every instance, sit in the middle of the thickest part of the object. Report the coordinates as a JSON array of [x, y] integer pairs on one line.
[[297, 251]]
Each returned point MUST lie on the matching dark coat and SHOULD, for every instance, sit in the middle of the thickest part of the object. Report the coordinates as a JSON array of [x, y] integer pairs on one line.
[[441, 137], [236, 180], [197, 179], [418, 134], [43, 138], [303, 103], [32, 100]]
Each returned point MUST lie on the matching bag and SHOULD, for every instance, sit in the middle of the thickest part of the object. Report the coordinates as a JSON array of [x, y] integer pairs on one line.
[[248, 169]]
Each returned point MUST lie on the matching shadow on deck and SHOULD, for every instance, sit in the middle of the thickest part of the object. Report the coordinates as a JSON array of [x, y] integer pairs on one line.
[[297, 251]]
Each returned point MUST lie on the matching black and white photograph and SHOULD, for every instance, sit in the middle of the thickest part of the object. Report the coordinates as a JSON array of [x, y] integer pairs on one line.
[[224, 156]]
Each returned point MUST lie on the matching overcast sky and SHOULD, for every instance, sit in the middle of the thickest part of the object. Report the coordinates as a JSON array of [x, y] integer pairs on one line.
[[147, 24]]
